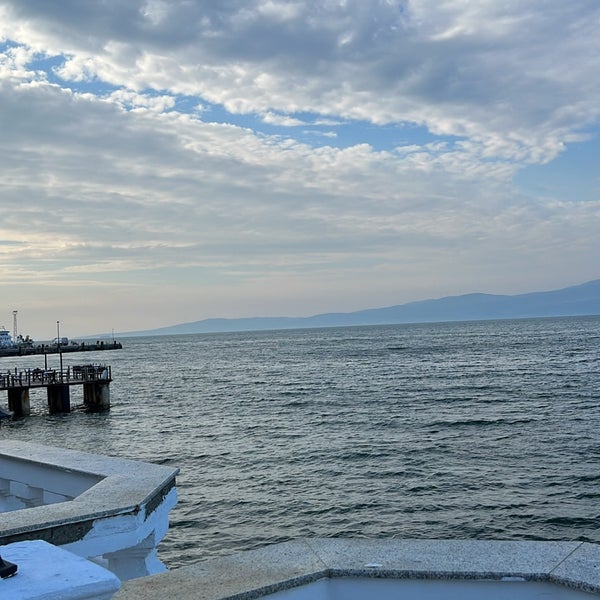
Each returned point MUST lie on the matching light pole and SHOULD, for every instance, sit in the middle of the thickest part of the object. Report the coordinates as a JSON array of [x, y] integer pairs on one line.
[[59, 351]]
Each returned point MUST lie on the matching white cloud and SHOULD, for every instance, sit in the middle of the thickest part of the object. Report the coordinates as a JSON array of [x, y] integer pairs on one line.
[[282, 120], [469, 69], [133, 100], [316, 132]]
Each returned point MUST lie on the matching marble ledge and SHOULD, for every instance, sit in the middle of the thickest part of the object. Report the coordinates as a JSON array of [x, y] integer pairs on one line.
[[271, 569]]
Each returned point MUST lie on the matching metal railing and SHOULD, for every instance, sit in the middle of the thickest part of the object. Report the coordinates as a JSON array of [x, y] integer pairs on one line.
[[72, 375]]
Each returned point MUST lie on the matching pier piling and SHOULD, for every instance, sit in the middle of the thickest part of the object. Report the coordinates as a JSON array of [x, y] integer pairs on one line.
[[96, 396], [18, 401], [59, 398]]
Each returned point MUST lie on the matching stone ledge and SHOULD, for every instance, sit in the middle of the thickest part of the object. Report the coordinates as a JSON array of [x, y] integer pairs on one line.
[[268, 570]]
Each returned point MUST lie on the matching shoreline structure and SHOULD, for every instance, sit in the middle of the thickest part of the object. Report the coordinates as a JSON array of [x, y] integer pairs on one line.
[[42, 349]]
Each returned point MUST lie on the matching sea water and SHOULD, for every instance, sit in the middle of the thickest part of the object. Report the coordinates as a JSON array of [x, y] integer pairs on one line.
[[472, 430]]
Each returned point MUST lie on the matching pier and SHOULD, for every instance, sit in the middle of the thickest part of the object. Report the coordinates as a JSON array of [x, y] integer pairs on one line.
[[29, 350], [95, 380]]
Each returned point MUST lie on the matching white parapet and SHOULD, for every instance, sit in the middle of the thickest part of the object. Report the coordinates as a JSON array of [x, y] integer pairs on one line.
[[111, 510], [46, 572]]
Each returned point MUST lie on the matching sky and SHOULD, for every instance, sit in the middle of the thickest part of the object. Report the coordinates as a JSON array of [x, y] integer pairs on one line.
[[170, 161]]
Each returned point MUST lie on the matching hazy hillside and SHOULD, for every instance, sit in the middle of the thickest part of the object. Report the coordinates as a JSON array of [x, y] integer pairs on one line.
[[581, 299]]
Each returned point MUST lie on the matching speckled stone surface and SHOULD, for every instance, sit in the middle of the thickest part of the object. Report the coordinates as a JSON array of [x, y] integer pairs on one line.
[[581, 568], [123, 487], [267, 570], [453, 557]]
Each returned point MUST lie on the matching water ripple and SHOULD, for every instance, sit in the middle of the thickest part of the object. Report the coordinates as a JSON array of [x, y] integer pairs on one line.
[[467, 430]]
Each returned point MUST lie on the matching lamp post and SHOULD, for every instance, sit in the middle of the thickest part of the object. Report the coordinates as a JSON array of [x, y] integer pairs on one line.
[[58, 343]]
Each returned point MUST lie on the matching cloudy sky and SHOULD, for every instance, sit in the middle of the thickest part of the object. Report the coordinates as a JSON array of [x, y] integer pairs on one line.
[[164, 161]]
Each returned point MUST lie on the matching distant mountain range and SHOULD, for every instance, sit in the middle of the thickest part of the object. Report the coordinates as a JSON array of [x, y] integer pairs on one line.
[[577, 300]]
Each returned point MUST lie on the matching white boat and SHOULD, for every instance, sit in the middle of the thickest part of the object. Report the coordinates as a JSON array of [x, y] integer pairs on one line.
[[6, 340]]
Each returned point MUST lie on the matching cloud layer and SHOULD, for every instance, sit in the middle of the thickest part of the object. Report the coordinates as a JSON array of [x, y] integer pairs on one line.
[[157, 163]]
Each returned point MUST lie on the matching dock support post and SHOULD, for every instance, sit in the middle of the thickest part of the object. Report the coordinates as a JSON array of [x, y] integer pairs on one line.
[[18, 401], [59, 400], [96, 396]]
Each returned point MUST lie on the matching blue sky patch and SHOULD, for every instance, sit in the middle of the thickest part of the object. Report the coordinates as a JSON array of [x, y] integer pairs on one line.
[[574, 175]]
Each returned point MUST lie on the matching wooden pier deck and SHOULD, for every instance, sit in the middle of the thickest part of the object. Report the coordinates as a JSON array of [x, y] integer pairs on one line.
[[95, 380], [75, 375]]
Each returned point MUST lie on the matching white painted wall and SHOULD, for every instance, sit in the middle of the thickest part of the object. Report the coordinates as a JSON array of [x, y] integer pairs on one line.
[[113, 511], [348, 588], [25, 484]]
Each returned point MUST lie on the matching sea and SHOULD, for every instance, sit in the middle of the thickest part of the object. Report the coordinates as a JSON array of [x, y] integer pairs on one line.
[[470, 430]]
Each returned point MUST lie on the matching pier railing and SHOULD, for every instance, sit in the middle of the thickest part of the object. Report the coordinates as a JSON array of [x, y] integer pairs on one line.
[[72, 375]]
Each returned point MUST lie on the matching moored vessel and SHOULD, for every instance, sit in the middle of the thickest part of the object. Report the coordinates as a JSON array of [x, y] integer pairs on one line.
[[6, 340]]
